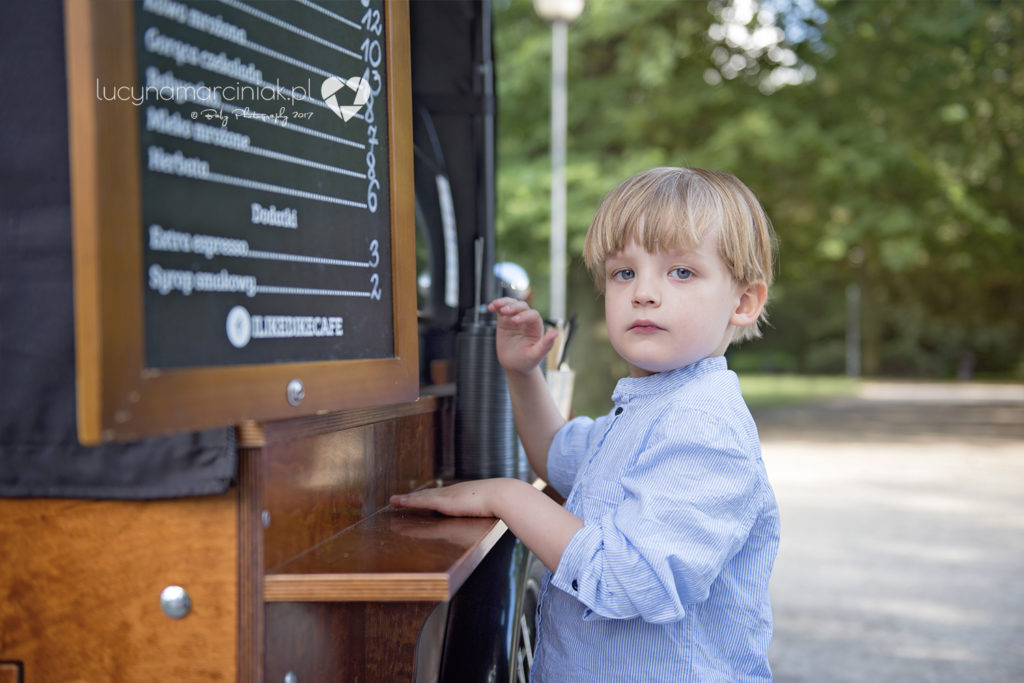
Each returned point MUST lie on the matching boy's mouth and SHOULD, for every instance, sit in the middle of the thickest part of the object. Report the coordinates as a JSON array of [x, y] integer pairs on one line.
[[644, 326]]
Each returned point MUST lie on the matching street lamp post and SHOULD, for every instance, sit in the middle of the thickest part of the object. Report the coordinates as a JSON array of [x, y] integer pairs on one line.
[[560, 13]]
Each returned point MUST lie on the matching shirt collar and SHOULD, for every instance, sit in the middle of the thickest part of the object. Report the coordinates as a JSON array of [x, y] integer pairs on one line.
[[629, 388]]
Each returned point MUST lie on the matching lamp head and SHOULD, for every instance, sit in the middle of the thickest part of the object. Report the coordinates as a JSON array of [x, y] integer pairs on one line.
[[558, 10]]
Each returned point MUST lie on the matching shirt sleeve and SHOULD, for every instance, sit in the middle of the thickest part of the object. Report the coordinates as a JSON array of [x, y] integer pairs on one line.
[[567, 453], [654, 542]]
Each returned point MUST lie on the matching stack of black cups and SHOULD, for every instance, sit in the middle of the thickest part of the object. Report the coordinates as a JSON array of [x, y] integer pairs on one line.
[[486, 444]]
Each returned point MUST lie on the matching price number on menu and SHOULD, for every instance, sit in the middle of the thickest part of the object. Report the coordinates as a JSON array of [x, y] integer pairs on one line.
[[375, 290], [372, 54]]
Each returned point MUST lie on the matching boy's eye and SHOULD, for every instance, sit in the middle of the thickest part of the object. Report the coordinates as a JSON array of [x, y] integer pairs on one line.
[[623, 274], [682, 273]]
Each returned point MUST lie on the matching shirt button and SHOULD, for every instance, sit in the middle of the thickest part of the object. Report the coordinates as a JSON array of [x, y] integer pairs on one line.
[[618, 411], [575, 586]]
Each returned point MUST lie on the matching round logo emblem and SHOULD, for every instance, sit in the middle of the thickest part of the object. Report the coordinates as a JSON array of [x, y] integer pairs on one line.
[[239, 327]]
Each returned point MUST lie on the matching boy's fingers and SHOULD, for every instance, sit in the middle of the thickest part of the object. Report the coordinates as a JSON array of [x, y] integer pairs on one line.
[[499, 302], [548, 341], [499, 305], [510, 307], [417, 499], [518, 316]]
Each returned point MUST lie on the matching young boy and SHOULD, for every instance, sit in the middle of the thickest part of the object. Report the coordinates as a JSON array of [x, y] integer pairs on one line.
[[660, 559]]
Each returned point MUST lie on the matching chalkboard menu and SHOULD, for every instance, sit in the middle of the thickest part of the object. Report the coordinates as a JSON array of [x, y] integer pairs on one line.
[[263, 214], [265, 210]]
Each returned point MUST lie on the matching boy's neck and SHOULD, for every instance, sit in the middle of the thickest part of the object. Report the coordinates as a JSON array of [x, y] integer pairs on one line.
[[636, 372]]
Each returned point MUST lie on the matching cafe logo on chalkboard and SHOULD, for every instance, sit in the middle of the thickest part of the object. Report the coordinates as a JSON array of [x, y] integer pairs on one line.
[[242, 327]]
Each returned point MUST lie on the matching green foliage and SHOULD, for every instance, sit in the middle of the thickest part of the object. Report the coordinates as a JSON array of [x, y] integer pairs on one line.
[[898, 166]]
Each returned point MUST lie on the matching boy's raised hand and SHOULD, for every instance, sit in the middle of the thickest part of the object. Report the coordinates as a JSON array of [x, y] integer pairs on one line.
[[521, 340]]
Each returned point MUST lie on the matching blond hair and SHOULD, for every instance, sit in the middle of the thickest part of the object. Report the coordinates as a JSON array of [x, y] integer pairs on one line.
[[675, 208]]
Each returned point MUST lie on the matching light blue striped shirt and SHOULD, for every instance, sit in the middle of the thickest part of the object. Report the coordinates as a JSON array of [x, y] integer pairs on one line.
[[668, 578]]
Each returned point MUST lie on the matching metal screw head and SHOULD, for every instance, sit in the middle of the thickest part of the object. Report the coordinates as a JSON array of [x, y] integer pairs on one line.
[[175, 602], [265, 518], [295, 392], [291, 678]]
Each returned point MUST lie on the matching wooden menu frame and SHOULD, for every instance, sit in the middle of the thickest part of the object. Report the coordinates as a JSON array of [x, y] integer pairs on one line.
[[119, 398]]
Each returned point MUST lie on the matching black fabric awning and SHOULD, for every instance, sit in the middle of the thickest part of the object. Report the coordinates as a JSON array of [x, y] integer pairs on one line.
[[39, 450]]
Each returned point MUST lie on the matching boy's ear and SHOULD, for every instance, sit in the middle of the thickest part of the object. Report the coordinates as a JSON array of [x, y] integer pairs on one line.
[[751, 303]]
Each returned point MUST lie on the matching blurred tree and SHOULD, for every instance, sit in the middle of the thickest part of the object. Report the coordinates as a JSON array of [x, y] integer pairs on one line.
[[884, 139], [918, 155]]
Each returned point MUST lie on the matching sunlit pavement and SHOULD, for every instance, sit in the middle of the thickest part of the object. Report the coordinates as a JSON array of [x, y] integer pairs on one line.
[[902, 554]]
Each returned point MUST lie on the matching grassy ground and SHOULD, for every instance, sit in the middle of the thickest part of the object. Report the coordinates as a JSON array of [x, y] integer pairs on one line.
[[760, 391], [776, 390]]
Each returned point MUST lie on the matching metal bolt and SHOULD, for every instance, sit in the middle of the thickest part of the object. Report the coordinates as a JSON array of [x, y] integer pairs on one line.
[[290, 678], [175, 602], [295, 392], [265, 518]]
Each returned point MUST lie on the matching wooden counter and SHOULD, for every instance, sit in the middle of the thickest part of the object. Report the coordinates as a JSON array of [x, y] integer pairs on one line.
[[393, 555], [301, 568]]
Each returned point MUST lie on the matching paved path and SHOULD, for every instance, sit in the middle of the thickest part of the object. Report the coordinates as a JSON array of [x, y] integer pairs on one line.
[[902, 556]]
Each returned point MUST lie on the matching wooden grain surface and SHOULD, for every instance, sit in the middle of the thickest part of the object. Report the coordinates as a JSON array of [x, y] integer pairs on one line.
[[318, 484], [80, 585], [355, 641]]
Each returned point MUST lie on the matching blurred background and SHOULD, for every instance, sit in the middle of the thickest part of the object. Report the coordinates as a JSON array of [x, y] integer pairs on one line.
[[883, 138]]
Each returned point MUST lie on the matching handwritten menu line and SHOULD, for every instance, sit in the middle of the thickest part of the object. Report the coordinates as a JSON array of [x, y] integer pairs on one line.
[[215, 26], [225, 179], [168, 240], [280, 56], [300, 258], [161, 121], [289, 27], [221, 29], [168, 280], [305, 291], [288, 125], [177, 164], [307, 131], [183, 52], [332, 15], [304, 162]]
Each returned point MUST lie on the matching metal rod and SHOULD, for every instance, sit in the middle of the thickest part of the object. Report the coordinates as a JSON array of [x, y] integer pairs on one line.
[[559, 62], [478, 264]]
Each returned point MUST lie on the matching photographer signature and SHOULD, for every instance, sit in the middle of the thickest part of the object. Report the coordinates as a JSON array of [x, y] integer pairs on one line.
[[211, 115], [281, 117]]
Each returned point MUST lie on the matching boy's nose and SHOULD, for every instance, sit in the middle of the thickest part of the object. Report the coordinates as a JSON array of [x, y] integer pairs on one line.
[[644, 294]]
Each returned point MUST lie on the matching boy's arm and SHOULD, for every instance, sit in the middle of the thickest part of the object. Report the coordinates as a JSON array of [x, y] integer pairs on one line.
[[686, 506], [521, 346], [544, 526], [537, 417]]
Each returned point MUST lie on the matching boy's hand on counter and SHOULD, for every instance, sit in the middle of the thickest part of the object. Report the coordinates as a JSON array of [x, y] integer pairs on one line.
[[544, 526], [465, 499]]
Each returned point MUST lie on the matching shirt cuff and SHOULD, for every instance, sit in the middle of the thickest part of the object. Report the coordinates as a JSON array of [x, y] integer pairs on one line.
[[579, 568]]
